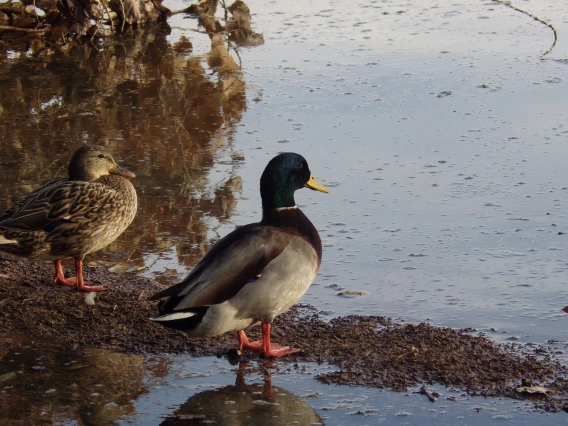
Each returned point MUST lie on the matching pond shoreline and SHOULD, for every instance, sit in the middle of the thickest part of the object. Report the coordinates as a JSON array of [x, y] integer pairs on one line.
[[368, 350]]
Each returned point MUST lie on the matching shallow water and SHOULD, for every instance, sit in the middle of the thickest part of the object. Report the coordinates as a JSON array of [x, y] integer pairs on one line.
[[438, 127], [95, 387]]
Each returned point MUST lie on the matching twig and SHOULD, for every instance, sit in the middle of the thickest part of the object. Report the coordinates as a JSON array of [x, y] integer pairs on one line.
[[176, 12], [413, 351], [224, 6], [95, 31], [24, 30], [123, 16], [131, 253], [238, 56], [536, 18], [8, 9], [105, 4], [424, 391]]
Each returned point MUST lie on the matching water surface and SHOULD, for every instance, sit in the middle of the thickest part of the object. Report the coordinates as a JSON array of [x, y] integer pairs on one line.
[[439, 128]]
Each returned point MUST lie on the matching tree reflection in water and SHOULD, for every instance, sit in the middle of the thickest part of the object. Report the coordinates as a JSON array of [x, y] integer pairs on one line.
[[166, 112], [43, 384]]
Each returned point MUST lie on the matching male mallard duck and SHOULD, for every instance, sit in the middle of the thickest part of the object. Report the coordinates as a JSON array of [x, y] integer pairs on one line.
[[72, 217], [257, 271]]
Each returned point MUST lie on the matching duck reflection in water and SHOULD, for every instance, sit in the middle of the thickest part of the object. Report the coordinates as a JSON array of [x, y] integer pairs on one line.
[[242, 404], [49, 384]]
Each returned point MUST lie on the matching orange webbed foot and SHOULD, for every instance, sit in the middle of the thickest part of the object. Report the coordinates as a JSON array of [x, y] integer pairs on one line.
[[280, 351], [77, 281], [265, 346], [84, 287], [69, 282]]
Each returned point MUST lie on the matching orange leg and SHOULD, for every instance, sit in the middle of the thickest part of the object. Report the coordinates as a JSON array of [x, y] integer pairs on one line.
[[245, 343], [267, 390], [76, 281], [240, 380], [80, 284], [60, 276], [264, 346]]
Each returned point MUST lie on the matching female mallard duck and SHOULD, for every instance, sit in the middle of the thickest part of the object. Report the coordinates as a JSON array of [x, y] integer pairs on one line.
[[72, 217], [257, 271]]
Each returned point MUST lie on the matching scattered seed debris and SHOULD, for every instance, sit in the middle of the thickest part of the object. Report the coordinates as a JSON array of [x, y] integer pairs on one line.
[[369, 351]]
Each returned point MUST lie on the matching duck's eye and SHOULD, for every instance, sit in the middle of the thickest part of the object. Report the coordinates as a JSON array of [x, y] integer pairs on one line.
[[101, 156], [300, 166]]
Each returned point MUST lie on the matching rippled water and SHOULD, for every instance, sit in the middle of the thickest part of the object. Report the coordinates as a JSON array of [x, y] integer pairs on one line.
[[439, 128]]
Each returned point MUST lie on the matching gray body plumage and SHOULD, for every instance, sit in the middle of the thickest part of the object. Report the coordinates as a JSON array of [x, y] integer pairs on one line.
[[256, 272], [276, 289]]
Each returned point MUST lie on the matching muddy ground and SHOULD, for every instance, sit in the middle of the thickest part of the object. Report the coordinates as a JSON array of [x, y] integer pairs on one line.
[[368, 350]]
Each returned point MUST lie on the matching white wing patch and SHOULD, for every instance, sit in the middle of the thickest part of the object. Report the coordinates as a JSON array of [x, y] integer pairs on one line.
[[173, 316]]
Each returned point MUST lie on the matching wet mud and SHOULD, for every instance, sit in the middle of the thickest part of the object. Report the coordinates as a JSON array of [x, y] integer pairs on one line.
[[367, 350]]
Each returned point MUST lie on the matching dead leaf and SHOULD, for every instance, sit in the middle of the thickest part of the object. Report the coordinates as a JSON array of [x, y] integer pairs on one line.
[[532, 390], [123, 267], [7, 376]]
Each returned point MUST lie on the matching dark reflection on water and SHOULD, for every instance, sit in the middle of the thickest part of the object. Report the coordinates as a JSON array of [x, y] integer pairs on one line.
[[41, 384], [163, 110], [44, 384], [242, 404]]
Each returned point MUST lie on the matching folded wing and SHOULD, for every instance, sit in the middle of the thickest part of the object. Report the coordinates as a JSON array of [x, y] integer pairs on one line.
[[56, 201], [235, 260]]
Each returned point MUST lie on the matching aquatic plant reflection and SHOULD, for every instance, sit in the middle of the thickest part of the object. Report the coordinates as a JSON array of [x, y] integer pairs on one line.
[[42, 383], [165, 111]]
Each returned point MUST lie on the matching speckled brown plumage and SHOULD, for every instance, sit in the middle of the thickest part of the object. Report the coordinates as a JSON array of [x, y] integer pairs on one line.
[[72, 217]]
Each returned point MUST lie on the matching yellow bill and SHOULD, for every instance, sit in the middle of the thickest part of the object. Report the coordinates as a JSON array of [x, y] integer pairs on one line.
[[315, 185]]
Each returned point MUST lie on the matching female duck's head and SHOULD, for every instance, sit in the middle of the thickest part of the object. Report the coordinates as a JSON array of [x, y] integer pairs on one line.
[[90, 162]]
